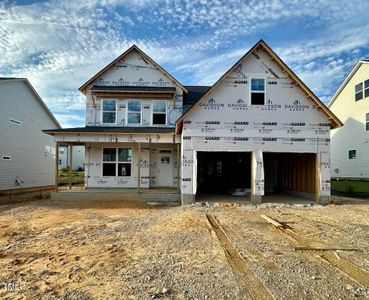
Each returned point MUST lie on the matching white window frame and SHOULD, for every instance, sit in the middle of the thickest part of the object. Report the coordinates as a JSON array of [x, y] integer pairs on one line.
[[250, 91], [127, 112], [102, 111], [166, 113], [348, 157], [116, 162]]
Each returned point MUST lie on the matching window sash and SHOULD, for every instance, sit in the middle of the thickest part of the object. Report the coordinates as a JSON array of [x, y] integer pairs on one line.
[[134, 112], [122, 162], [159, 106], [109, 111], [257, 85]]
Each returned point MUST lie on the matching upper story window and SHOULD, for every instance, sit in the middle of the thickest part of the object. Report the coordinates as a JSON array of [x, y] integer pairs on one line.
[[117, 162], [134, 112], [362, 90], [366, 88], [109, 111], [159, 112], [257, 91], [352, 154], [359, 91], [367, 122]]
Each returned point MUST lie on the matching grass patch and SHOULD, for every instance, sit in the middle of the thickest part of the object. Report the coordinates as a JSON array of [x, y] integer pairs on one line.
[[78, 177], [351, 188]]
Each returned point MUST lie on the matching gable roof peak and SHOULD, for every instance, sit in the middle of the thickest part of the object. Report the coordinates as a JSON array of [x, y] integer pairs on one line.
[[335, 122], [120, 57]]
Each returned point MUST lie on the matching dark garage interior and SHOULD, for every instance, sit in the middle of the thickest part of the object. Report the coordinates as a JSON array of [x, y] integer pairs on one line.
[[222, 172], [289, 172]]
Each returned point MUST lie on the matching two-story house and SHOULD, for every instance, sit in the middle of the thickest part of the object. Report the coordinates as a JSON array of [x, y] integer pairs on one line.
[[259, 128], [350, 144], [27, 156]]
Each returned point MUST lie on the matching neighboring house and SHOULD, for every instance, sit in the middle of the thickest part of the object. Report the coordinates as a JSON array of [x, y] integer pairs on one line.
[[258, 128], [350, 144], [78, 157], [27, 156]]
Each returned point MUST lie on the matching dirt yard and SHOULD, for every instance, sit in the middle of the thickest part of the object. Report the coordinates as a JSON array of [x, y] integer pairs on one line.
[[110, 250]]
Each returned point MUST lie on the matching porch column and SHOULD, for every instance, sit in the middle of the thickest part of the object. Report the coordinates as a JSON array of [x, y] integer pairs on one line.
[[178, 166], [257, 177], [188, 176], [139, 168], [323, 178], [56, 165], [70, 153]]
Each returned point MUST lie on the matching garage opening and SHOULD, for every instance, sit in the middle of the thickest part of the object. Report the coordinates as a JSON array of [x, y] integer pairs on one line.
[[290, 173], [226, 173]]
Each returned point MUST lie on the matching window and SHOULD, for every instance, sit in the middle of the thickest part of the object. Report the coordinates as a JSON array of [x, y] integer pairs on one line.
[[109, 111], [134, 112], [367, 122], [117, 161], [366, 88], [359, 91], [159, 112], [257, 91], [352, 154]]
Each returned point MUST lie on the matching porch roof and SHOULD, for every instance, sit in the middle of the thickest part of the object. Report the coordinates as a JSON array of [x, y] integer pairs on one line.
[[101, 129]]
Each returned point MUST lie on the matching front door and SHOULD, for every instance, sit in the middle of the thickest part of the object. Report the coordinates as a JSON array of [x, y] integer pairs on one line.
[[165, 169]]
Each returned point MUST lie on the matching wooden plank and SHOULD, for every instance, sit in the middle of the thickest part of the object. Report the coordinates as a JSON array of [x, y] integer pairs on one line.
[[345, 267], [271, 221], [304, 248], [249, 283]]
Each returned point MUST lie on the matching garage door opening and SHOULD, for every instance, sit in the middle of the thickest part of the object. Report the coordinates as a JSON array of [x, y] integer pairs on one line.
[[225, 173], [290, 173]]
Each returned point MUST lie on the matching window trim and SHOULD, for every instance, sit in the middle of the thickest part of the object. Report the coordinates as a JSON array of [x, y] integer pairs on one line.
[[166, 113], [127, 112], [250, 91], [366, 121], [102, 111], [348, 154], [116, 162]]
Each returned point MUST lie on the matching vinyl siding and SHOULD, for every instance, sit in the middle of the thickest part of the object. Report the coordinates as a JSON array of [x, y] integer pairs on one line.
[[32, 152], [352, 136]]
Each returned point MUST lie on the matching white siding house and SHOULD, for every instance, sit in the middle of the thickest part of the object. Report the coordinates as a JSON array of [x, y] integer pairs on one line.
[[350, 144], [27, 156], [258, 128]]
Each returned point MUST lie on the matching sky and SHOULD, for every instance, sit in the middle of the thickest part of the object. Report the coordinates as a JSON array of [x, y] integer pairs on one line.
[[58, 45]]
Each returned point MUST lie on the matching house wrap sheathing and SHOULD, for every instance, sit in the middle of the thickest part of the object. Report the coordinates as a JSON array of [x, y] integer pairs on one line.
[[257, 129]]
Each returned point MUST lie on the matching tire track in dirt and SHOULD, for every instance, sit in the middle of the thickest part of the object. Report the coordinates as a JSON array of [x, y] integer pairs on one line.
[[249, 283]]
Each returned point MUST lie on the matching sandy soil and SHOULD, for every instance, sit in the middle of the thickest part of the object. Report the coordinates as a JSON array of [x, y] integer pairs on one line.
[[110, 250]]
